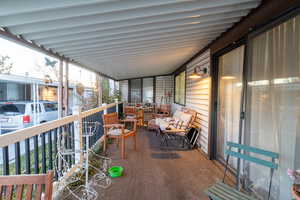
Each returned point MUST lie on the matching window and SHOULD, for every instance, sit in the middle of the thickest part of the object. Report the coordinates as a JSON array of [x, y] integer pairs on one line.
[[135, 85], [12, 108], [180, 88], [50, 107], [148, 90], [37, 108]]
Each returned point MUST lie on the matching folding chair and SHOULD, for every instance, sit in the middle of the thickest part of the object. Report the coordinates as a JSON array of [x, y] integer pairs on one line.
[[222, 191]]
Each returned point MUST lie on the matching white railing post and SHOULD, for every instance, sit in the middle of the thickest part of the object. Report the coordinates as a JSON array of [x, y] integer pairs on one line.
[[60, 89], [99, 86], [77, 133], [117, 105], [105, 110], [66, 90]]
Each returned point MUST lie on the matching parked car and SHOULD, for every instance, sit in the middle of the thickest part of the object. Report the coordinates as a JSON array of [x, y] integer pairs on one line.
[[15, 115]]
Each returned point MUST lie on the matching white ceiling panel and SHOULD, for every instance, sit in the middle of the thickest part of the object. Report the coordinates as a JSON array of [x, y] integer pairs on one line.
[[123, 38]]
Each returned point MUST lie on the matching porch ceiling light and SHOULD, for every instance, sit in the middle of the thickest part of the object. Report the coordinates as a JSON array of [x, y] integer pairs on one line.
[[195, 16], [196, 75], [228, 77]]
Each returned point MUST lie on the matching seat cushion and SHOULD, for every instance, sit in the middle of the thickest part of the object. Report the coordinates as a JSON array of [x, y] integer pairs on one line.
[[161, 123], [117, 131], [186, 119], [177, 114], [131, 116]]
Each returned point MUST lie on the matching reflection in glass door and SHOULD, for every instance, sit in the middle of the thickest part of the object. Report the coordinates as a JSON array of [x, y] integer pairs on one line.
[[273, 105], [230, 76], [136, 90]]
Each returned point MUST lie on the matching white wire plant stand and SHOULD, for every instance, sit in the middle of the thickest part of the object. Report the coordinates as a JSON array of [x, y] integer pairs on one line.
[[101, 179]]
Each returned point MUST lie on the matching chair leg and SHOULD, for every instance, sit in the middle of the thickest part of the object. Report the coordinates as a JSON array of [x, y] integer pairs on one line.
[[104, 144], [123, 148], [118, 142]]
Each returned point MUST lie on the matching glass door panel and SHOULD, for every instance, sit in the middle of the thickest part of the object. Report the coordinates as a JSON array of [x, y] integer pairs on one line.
[[135, 90], [148, 90], [230, 75], [273, 105]]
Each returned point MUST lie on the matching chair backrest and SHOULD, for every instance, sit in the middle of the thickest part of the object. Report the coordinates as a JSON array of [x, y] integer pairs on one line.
[[130, 110], [243, 152], [140, 117], [111, 118], [26, 183], [191, 112]]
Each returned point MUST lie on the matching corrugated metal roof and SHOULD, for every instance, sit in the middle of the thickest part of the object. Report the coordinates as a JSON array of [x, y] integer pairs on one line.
[[127, 38]]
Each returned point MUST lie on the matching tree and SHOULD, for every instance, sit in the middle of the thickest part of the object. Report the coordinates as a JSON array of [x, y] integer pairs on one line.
[[106, 96], [5, 65]]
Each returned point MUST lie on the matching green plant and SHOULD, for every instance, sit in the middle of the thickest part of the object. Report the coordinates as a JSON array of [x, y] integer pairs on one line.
[[106, 98]]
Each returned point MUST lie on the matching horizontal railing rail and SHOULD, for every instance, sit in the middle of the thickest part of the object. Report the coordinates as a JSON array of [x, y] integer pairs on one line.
[[35, 149]]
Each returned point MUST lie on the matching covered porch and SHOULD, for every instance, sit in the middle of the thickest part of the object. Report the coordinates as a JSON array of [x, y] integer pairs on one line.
[[233, 64]]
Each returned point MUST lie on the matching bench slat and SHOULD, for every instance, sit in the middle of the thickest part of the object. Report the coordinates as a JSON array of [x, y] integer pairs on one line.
[[239, 192], [222, 194], [222, 191], [234, 193]]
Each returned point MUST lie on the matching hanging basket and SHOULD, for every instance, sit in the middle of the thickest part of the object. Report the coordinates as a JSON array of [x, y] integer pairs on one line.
[[80, 88], [296, 191]]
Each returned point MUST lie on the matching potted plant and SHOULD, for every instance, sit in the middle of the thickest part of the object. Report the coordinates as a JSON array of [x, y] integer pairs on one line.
[[295, 176]]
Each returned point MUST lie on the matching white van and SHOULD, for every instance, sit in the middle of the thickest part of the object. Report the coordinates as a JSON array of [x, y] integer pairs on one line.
[[15, 115]]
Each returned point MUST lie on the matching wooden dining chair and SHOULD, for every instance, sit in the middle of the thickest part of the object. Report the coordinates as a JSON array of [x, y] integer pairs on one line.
[[13, 187], [161, 111], [140, 117], [130, 111], [113, 128]]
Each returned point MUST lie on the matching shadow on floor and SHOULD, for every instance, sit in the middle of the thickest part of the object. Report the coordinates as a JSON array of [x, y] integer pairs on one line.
[[174, 144]]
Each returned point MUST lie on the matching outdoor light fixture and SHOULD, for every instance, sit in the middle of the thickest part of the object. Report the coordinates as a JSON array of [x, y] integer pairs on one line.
[[228, 77], [196, 74]]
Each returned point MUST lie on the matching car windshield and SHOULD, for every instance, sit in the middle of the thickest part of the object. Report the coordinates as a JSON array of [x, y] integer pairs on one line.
[[12, 108]]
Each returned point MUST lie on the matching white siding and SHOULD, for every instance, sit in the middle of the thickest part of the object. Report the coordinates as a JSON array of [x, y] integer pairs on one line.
[[198, 97], [164, 87], [124, 90]]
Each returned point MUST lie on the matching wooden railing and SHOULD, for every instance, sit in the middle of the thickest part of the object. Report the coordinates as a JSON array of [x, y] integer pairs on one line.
[[33, 150]]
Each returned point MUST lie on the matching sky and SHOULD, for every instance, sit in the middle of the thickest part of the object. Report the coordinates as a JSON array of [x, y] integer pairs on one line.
[[28, 61]]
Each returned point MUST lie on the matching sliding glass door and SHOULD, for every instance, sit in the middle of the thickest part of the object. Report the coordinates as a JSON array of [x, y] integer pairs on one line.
[[135, 90], [230, 78], [148, 90], [273, 105]]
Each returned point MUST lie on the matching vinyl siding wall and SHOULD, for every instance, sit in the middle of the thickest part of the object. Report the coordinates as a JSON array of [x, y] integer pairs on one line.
[[198, 93]]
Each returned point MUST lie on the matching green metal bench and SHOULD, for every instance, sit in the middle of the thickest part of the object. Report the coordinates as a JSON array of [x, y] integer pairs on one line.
[[222, 191]]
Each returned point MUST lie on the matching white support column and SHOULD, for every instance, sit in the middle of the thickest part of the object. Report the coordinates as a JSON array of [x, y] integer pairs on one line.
[[60, 88], [117, 105], [99, 89], [66, 90], [105, 110], [78, 135]]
